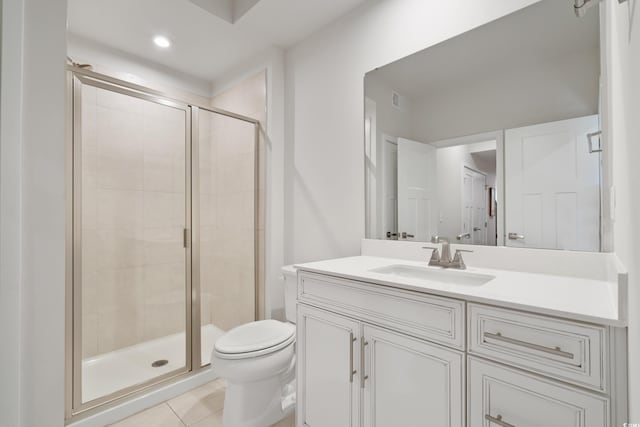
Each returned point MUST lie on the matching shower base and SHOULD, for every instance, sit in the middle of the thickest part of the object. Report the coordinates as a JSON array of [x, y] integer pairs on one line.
[[107, 373]]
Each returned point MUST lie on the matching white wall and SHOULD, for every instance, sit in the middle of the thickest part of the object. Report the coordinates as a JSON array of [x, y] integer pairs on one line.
[[10, 211], [43, 214], [623, 138], [324, 139], [33, 205]]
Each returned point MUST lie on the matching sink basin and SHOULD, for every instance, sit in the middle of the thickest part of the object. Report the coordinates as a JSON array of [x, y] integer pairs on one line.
[[435, 275]]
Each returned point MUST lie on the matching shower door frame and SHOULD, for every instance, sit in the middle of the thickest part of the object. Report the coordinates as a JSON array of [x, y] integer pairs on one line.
[[76, 76]]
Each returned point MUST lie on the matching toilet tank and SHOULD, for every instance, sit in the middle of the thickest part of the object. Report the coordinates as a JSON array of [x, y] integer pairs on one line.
[[290, 292]]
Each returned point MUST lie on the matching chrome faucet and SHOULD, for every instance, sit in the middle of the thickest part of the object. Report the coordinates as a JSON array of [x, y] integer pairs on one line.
[[445, 260]]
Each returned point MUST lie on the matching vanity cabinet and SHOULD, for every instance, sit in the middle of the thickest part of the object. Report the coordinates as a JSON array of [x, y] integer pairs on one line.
[[371, 355], [355, 369]]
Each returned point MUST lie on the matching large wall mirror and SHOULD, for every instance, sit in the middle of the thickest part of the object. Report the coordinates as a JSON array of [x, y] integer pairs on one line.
[[492, 137]]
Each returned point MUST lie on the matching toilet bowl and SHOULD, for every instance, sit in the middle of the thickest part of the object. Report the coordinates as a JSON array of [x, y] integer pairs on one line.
[[257, 361]]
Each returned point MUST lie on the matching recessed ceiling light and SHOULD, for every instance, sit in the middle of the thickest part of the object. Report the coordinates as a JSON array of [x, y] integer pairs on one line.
[[161, 41]]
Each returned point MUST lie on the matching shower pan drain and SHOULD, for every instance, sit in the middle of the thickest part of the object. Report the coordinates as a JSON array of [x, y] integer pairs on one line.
[[159, 363]]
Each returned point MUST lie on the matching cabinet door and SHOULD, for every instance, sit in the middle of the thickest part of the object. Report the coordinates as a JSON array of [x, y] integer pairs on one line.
[[328, 388], [411, 382], [504, 397]]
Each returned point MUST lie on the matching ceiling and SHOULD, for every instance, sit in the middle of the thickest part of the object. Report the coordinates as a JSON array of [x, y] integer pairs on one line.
[[203, 44], [545, 31]]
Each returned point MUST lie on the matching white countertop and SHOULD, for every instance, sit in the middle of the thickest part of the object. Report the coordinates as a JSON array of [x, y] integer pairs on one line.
[[568, 297]]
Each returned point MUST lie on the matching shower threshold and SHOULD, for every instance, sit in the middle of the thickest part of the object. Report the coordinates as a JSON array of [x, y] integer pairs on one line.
[[107, 373]]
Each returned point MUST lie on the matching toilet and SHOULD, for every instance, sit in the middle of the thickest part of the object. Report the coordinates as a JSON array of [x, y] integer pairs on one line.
[[257, 361]]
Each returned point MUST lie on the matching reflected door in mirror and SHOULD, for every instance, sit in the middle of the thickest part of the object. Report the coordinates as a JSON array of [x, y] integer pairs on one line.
[[474, 215], [417, 185], [553, 186]]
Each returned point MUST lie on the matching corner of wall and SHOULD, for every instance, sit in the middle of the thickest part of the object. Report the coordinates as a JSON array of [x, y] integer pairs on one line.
[[10, 210]]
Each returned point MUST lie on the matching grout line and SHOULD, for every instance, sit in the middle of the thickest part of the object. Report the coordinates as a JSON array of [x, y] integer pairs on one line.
[[174, 413]]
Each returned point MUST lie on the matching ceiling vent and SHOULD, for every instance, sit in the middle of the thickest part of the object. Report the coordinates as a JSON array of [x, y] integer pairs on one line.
[[229, 10]]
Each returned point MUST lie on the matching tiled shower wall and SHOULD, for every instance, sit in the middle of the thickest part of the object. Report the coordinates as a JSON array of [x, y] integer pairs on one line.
[[133, 214], [227, 218]]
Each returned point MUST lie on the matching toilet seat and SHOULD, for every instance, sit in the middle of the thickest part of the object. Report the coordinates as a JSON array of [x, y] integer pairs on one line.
[[255, 339]]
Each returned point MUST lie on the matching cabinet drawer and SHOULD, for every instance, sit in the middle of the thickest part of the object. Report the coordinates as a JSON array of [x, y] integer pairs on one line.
[[571, 351], [504, 397], [433, 318]]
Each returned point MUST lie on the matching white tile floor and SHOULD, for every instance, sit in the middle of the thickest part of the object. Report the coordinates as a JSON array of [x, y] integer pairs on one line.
[[201, 407]]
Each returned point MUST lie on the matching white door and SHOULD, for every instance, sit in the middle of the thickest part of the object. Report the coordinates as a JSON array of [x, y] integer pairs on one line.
[[411, 382], [327, 355], [416, 190], [474, 207], [500, 396], [552, 186], [390, 188]]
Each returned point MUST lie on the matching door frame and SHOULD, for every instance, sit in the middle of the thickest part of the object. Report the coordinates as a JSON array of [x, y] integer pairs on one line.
[[498, 136], [393, 140], [485, 198]]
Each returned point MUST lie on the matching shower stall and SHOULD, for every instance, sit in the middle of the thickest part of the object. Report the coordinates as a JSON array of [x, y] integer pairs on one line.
[[163, 236]]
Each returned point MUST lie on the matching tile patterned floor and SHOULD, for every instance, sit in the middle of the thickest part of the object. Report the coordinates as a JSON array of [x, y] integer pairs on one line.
[[201, 407]]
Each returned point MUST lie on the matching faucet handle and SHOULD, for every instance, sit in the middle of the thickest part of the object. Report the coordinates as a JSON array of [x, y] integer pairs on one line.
[[435, 255], [457, 261]]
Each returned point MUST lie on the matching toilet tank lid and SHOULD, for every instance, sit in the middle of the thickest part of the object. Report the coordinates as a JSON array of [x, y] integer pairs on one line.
[[289, 270]]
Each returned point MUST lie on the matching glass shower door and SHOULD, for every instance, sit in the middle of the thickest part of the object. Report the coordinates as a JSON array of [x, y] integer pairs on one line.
[[131, 323], [227, 224]]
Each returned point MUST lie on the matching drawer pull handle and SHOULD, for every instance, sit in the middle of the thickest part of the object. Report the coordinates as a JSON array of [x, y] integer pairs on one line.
[[497, 420], [555, 351], [352, 372]]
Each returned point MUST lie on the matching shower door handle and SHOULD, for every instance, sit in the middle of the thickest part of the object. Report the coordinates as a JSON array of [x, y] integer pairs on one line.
[[185, 238]]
